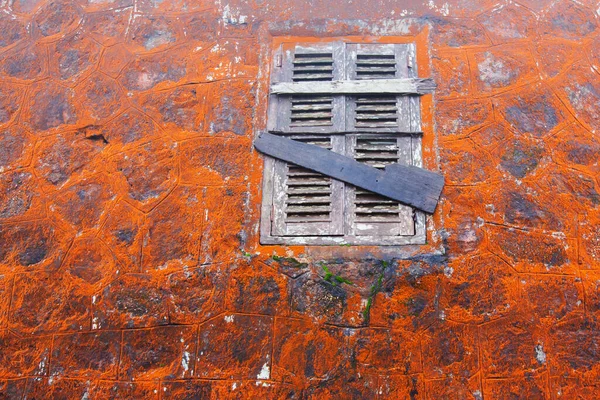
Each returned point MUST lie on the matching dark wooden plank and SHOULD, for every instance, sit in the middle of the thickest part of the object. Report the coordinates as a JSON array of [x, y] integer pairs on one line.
[[410, 185]]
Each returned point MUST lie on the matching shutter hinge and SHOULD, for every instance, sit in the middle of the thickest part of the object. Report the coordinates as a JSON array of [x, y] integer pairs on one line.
[[410, 61]]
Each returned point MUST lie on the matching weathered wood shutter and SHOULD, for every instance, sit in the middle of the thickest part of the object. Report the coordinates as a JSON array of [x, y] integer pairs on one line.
[[359, 100], [306, 203], [309, 113], [370, 214], [387, 121]]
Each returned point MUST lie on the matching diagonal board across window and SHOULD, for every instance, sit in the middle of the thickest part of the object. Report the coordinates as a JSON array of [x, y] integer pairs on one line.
[[361, 101]]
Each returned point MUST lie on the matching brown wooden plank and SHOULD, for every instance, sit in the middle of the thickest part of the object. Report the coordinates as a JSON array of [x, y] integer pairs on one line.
[[410, 185]]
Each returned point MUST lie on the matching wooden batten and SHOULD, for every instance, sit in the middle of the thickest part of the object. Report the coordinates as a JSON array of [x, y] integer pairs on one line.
[[410, 185], [414, 86]]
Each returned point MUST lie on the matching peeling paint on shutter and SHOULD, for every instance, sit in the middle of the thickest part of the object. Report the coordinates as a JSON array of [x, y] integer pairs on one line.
[[372, 214], [319, 62], [380, 113], [375, 66], [307, 203], [376, 112], [310, 203], [312, 66], [377, 129], [308, 193], [307, 111]]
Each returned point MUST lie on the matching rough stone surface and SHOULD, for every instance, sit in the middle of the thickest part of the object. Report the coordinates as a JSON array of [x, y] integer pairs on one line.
[[77, 55], [130, 301], [165, 352], [26, 62], [58, 18], [148, 186], [243, 351], [534, 112], [13, 30], [509, 23], [10, 102], [130, 263], [15, 148], [22, 199], [57, 163], [50, 106], [89, 354]]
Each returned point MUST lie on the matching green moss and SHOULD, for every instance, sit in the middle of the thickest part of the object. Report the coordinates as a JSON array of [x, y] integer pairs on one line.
[[367, 310], [328, 273], [340, 279], [375, 288], [291, 262], [334, 279]]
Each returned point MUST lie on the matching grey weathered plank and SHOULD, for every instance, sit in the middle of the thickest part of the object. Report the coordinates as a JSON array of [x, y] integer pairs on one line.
[[416, 86], [395, 131], [410, 185]]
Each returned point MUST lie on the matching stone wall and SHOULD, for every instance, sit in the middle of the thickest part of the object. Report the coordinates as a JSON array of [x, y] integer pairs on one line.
[[129, 206]]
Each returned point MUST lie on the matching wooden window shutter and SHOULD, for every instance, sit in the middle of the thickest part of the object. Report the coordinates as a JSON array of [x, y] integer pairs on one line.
[[385, 123], [356, 99], [309, 113], [306, 203], [370, 214], [375, 112]]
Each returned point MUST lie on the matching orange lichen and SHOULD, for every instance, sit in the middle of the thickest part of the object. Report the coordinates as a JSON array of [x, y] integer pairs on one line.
[[130, 263]]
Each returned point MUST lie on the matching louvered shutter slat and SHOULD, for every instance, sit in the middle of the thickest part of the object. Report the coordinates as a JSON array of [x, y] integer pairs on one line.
[[371, 214], [312, 204], [372, 127], [310, 113], [371, 65], [312, 66]]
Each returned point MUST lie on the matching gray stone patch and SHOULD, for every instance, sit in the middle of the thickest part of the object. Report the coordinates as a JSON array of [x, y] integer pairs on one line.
[[157, 38], [494, 71], [52, 110], [537, 118], [540, 355], [520, 161], [584, 98]]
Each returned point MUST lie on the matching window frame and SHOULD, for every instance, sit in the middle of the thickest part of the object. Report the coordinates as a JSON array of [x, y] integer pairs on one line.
[[273, 167]]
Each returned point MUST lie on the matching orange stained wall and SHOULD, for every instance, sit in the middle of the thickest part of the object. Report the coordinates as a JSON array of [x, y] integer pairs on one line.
[[130, 196]]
